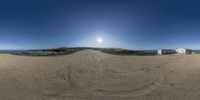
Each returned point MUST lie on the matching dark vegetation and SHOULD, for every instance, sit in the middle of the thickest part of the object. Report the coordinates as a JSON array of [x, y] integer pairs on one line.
[[65, 51], [48, 52], [125, 52]]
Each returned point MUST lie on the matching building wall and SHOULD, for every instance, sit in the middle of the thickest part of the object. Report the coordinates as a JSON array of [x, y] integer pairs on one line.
[[165, 51], [160, 52], [184, 51]]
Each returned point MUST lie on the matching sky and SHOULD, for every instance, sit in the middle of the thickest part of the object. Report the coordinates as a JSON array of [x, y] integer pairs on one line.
[[132, 24]]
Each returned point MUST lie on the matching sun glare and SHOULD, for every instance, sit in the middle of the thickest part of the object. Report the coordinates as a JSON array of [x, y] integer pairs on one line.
[[99, 40]]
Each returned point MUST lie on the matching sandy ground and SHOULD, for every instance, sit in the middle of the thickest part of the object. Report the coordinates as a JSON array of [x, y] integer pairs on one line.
[[92, 75]]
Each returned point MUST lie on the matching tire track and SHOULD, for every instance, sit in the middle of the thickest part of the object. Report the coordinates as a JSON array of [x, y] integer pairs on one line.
[[97, 58]]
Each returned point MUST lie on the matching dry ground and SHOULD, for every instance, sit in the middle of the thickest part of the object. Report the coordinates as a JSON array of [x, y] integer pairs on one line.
[[92, 75]]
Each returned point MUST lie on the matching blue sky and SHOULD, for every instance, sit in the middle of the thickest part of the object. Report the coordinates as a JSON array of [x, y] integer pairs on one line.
[[134, 24]]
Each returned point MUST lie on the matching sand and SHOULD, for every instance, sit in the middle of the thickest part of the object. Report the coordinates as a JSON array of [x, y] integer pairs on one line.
[[93, 75]]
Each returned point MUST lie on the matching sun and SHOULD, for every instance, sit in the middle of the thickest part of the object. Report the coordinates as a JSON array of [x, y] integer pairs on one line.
[[99, 40]]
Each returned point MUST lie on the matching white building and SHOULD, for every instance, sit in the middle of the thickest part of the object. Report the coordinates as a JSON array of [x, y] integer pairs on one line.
[[184, 51], [165, 51]]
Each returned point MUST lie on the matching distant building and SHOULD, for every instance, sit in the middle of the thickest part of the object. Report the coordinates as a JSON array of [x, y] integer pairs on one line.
[[165, 51], [184, 51]]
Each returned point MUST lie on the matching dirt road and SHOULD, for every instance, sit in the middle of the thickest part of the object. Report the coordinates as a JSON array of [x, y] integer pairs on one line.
[[93, 75]]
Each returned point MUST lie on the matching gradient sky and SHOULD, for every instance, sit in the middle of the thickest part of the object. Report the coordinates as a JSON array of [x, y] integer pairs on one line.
[[134, 24]]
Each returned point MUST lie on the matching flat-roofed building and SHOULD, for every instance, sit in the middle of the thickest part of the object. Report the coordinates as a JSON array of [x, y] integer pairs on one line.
[[165, 51], [183, 51]]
